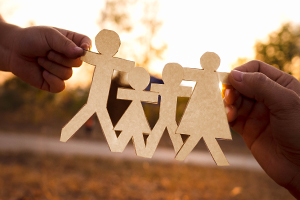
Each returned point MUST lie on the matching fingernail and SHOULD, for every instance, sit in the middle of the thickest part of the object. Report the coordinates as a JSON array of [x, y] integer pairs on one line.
[[86, 47], [237, 75], [78, 49], [227, 92]]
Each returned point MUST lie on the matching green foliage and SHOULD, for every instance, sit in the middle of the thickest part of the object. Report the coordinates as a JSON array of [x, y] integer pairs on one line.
[[15, 94], [282, 48], [23, 102]]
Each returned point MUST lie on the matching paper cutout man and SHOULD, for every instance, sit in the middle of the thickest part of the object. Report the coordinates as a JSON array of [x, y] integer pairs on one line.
[[172, 76], [134, 123], [205, 114], [107, 44]]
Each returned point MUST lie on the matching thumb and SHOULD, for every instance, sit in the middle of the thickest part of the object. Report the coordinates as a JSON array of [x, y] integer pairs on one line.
[[258, 86], [63, 45]]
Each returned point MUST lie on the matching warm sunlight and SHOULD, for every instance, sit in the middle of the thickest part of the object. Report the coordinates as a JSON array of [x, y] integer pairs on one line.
[[144, 120], [190, 28]]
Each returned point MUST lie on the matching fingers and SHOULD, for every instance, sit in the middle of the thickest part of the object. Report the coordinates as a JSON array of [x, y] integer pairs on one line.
[[77, 38], [63, 73], [65, 51], [63, 60], [259, 87], [258, 66], [231, 96], [243, 109], [232, 101], [282, 78], [62, 44], [52, 83], [231, 113]]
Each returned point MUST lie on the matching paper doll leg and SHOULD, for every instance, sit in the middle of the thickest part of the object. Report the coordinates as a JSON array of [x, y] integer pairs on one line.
[[139, 144], [175, 138], [76, 122], [108, 129], [216, 151], [187, 147], [153, 140], [122, 141]]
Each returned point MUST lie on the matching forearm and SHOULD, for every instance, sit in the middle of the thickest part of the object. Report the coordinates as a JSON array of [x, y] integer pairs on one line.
[[7, 34]]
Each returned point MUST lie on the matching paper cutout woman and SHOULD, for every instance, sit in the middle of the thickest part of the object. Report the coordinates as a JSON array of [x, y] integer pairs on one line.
[[205, 114], [107, 43], [134, 123], [172, 76]]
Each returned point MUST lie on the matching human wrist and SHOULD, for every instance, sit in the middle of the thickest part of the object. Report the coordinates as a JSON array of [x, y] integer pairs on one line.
[[7, 37]]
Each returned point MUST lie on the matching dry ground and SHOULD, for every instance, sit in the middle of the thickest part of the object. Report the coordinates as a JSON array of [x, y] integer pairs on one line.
[[25, 176]]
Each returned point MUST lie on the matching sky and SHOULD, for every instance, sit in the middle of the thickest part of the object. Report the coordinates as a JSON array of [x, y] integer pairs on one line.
[[190, 28]]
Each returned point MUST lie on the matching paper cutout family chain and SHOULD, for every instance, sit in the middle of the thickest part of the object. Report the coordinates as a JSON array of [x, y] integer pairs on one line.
[[204, 116]]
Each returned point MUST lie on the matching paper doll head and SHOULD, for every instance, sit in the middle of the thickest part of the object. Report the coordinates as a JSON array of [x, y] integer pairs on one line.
[[107, 42], [138, 78], [172, 74], [210, 61]]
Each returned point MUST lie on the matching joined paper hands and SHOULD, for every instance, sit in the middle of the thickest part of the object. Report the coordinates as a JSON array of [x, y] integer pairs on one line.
[[204, 116]]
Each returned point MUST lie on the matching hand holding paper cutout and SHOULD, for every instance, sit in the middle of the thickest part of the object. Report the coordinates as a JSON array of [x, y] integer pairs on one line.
[[204, 117], [265, 109], [107, 43], [41, 56]]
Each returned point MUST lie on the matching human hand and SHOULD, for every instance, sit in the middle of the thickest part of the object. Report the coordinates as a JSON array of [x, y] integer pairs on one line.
[[264, 108], [44, 56]]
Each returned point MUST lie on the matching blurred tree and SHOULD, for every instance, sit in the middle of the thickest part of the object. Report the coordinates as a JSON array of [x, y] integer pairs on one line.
[[26, 104], [282, 50], [115, 14], [15, 93], [138, 22]]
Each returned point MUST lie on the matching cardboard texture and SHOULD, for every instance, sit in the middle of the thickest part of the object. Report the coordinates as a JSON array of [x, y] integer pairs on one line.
[[107, 44], [172, 76], [223, 78], [204, 116], [134, 124]]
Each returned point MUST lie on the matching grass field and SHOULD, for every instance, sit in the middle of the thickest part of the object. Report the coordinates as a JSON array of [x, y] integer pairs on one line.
[[25, 176]]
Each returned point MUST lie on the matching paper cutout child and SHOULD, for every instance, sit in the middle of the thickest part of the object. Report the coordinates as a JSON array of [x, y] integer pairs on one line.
[[134, 123], [172, 76], [107, 44], [205, 113]]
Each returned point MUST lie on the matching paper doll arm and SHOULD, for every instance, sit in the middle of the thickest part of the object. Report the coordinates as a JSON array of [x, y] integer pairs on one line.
[[125, 93], [223, 77], [155, 87], [90, 57], [123, 65], [191, 74], [130, 94], [150, 97]]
